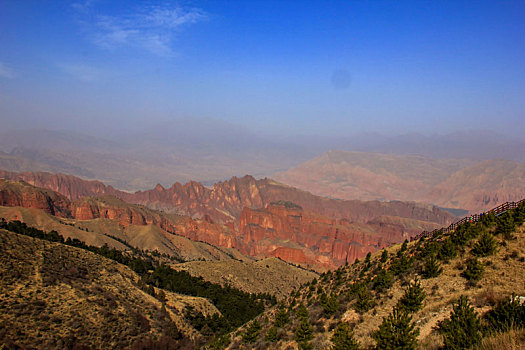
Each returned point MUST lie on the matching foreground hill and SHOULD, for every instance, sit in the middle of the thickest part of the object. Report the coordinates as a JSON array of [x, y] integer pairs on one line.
[[280, 229], [55, 296], [456, 183], [404, 296]]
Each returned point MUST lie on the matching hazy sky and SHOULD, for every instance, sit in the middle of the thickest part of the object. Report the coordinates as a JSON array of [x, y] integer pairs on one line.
[[276, 67]]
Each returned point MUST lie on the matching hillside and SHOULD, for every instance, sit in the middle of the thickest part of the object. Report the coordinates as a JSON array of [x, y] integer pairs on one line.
[[55, 296], [280, 229], [269, 275], [455, 183], [423, 279]]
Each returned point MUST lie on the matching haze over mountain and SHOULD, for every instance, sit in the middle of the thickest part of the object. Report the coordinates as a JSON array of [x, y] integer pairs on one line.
[[455, 183], [210, 151]]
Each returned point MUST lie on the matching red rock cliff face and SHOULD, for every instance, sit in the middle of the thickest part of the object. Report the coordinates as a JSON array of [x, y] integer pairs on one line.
[[16, 194], [296, 235], [226, 200], [281, 229]]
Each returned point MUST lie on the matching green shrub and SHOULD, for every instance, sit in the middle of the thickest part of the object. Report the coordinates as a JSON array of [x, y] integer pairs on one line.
[[302, 312], [462, 330], [364, 301], [505, 225], [330, 305], [474, 270], [383, 281], [304, 332], [447, 250], [272, 336], [485, 246], [343, 338], [506, 315], [413, 298], [281, 318], [431, 268], [397, 331], [252, 332], [384, 256], [401, 265]]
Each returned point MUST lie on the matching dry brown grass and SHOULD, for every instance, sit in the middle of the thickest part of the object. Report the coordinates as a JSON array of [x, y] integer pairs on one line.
[[56, 296], [514, 339]]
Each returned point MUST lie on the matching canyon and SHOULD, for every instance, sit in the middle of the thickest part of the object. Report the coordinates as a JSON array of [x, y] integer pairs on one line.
[[314, 232]]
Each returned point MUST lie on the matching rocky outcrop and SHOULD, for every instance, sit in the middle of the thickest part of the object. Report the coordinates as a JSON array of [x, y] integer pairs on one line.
[[291, 231], [226, 200], [20, 194], [287, 231]]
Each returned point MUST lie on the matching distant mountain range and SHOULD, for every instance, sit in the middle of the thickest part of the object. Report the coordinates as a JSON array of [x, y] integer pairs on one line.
[[456, 183], [211, 151]]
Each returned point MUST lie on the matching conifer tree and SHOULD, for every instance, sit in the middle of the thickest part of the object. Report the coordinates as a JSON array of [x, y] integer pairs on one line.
[[364, 300], [462, 330], [447, 250], [281, 318], [384, 256], [302, 312], [331, 305], [396, 332], [272, 336], [383, 280], [252, 333], [506, 225], [431, 268], [343, 338], [474, 270], [413, 298], [485, 246], [304, 332]]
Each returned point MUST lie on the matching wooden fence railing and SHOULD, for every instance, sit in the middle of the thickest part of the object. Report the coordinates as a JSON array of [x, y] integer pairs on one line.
[[500, 209]]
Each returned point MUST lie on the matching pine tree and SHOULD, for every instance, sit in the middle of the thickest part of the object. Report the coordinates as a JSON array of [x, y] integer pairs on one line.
[[506, 225], [448, 250], [462, 330], [331, 305], [343, 338], [302, 312], [272, 336], [364, 300], [474, 270], [507, 314], [281, 318], [431, 268], [304, 332], [485, 246], [383, 280], [252, 333], [396, 332], [384, 256], [413, 298]]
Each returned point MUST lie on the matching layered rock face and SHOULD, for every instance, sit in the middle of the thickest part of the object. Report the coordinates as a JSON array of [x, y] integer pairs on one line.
[[245, 213], [16, 194], [287, 231], [226, 200]]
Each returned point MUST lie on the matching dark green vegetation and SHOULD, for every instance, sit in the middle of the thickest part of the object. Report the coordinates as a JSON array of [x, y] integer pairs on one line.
[[397, 331], [462, 329], [236, 307]]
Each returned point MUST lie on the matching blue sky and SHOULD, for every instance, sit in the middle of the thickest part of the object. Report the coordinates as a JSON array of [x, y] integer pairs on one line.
[[274, 67]]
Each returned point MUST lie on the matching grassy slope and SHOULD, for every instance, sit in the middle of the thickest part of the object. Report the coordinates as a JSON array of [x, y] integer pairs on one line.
[[54, 295], [504, 274], [269, 275]]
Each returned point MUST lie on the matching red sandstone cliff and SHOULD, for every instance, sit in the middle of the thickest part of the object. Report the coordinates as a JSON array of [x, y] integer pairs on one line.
[[225, 201]]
